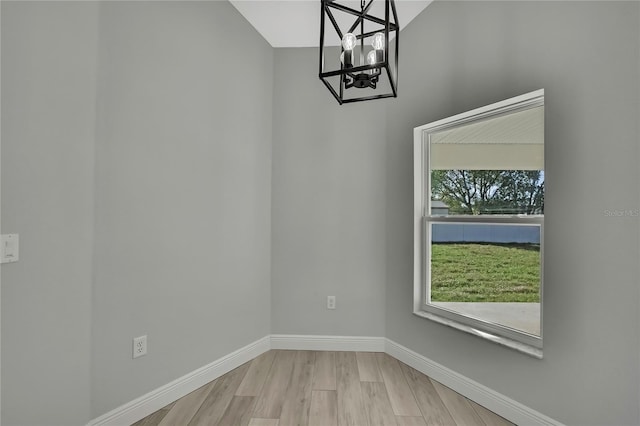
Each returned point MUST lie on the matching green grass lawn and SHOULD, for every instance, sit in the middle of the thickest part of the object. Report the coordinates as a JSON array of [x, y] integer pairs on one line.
[[467, 272]]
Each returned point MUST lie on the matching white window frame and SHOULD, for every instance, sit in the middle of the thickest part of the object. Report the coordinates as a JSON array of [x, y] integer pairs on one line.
[[515, 339]]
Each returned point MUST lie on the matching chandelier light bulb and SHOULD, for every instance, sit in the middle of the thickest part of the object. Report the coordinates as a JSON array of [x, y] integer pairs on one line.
[[377, 41], [371, 57], [349, 41]]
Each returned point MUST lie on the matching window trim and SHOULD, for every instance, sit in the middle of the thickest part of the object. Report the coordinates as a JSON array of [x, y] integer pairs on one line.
[[512, 338]]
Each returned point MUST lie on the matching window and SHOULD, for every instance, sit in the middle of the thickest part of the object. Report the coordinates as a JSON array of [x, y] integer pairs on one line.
[[479, 221]]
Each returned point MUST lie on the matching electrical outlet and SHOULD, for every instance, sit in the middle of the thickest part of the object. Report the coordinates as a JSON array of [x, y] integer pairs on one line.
[[9, 248], [331, 302], [139, 346]]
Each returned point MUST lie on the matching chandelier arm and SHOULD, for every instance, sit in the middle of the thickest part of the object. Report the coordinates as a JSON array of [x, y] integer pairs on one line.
[[348, 83]]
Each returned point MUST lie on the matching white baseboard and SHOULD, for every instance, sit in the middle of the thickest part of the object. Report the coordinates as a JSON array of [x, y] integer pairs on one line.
[[327, 343], [492, 400], [139, 408]]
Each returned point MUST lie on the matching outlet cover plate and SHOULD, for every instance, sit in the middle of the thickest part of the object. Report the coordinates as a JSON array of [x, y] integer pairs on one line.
[[9, 248], [139, 346], [331, 302]]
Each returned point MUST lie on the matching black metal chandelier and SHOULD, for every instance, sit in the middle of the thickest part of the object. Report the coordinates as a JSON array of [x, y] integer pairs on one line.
[[366, 66]]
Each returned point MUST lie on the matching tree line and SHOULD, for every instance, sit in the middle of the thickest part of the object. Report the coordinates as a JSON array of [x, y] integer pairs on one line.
[[477, 192]]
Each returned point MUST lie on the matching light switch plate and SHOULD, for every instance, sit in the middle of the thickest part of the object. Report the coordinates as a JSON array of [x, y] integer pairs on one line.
[[9, 248]]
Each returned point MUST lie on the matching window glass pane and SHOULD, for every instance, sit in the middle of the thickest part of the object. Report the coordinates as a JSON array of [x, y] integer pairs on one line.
[[487, 271], [492, 166], [482, 192], [510, 142]]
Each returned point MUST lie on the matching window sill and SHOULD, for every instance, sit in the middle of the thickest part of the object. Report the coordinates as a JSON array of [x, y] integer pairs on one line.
[[504, 341]]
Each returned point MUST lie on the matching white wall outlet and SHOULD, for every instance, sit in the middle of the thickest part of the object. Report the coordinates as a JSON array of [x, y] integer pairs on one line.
[[9, 248], [331, 302], [139, 346]]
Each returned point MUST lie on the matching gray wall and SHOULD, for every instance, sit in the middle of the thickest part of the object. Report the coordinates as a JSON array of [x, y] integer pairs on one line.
[[327, 205], [183, 189], [133, 158], [48, 116], [460, 55]]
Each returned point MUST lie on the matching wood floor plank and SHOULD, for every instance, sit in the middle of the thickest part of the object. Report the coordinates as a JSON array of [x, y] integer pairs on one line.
[[400, 395], [153, 419], [270, 400], [368, 367], [295, 409], [324, 408], [433, 409], [377, 405], [489, 417], [349, 394], [263, 422], [458, 406], [238, 413], [410, 421], [219, 398], [186, 407], [256, 376], [324, 374]]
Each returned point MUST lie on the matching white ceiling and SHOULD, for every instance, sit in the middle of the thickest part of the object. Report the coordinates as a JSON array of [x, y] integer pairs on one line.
[[296, 23]]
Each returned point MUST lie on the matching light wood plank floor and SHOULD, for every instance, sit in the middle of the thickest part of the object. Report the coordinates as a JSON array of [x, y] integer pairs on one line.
[[282, 388]]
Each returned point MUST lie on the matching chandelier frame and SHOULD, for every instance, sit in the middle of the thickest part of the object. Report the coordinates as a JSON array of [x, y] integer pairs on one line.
[[361, 76]]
